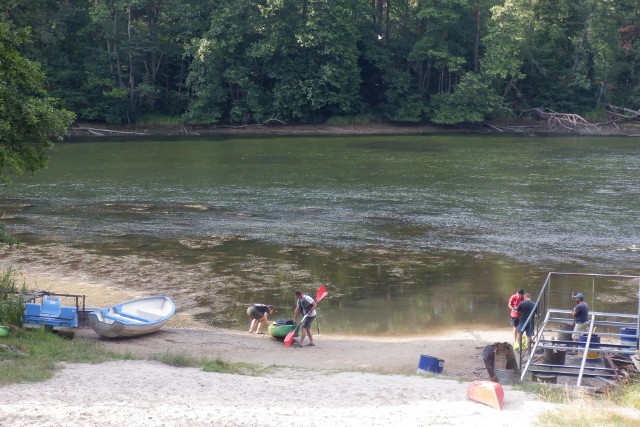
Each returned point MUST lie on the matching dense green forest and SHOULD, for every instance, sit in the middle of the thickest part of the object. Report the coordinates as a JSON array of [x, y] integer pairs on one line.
[[308, 61]]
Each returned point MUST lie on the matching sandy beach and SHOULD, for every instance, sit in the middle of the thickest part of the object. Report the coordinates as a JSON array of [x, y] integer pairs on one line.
[[342, 381], [150, 394]]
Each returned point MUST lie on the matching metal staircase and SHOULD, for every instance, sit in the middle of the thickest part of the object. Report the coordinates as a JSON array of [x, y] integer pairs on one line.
[[550, 337], [593, 357]]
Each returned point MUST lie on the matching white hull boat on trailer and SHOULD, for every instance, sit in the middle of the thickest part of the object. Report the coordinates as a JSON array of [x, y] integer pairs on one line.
[[132, 318]]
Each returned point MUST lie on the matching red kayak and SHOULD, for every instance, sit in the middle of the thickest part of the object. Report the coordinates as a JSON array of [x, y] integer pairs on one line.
[[486, 392]]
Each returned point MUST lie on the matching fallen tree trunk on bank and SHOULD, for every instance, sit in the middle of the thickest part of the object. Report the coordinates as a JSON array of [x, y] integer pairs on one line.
[[568, 122], [102, 132]]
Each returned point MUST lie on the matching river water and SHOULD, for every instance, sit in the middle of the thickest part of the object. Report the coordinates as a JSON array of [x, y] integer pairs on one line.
[[410, 233]]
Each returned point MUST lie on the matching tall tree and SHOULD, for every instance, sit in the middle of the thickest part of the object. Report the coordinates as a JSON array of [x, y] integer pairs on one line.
[[29, 120], [311, 58], [223, 76], [277, 59], [507, 42]]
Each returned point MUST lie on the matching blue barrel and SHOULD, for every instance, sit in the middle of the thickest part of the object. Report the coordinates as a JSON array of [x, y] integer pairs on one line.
[[629, 337], [595, 343], [430, 364]]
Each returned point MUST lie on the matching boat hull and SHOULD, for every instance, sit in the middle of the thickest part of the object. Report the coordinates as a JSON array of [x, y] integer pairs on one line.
[[132, 318], [486, 392], [281, 331]]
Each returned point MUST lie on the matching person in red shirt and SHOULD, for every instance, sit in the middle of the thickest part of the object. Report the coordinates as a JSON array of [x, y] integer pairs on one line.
[[515, 299]]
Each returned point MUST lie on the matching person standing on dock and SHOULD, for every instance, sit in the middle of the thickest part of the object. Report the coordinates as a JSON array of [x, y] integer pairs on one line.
[[515, 299], [580, 315], [259, 314]]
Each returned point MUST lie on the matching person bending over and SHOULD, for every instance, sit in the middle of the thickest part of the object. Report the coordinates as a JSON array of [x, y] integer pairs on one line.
[[259, 314]]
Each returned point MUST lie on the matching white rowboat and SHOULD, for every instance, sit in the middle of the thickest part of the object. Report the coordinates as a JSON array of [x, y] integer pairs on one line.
[[132, 318]]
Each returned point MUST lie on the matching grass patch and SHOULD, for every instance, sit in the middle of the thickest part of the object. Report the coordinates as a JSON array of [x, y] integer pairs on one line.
[[177, 360], [588, 413], [628, 396], [547, 392], [220, 366], [180, 360], [580, 409], [32, 355]]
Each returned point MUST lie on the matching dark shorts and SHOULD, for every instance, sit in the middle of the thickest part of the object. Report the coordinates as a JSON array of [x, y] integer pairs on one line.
[[515, 321], [307, 322], [528, 331], [254, 313]]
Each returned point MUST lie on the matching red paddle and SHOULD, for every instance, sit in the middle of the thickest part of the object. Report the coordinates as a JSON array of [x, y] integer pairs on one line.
[[322, 292]]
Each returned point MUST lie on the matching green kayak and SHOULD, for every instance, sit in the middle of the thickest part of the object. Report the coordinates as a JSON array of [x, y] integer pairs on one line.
[[280, 329]]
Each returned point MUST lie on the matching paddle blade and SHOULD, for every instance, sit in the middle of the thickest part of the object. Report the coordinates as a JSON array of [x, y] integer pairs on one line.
[[322, 292], [289, 338], [321, 296]]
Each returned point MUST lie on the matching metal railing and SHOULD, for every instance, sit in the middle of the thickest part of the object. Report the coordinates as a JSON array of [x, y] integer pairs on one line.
[[596, 318]]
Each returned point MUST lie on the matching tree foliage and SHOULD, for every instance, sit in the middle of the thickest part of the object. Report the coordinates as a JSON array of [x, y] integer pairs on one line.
[[29, 120], [471, 101], [251, 65], [247, 61]]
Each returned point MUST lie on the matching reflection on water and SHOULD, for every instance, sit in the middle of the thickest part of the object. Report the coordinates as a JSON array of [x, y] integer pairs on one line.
[[411, 233]]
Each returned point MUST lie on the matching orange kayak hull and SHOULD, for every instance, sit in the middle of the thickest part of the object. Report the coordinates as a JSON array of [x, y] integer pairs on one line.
[[486, 392]]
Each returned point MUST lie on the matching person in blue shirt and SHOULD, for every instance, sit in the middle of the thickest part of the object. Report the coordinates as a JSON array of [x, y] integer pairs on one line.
[[525, 308], [580, 316]]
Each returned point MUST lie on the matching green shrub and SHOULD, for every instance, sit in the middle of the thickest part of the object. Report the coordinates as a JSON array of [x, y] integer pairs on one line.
[[11, 300]]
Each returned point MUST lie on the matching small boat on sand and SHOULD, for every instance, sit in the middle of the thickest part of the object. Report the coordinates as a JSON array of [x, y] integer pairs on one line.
[[132, 318], [281, 327], [486, 392]]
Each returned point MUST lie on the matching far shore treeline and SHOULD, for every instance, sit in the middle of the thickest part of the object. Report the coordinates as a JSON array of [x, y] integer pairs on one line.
[[310, 61]]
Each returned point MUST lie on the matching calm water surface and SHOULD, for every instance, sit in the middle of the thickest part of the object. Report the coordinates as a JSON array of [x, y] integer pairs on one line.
[[411, 233]]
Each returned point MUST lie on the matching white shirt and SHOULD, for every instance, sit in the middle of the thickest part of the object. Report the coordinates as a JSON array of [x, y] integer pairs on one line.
[[310, 301]]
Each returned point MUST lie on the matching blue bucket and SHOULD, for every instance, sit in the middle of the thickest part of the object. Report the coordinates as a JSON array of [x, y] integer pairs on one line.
[[629, 337], [595, 343], [430, 364]]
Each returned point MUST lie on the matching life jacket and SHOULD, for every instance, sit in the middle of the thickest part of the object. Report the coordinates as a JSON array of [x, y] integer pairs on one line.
[[305, 305]]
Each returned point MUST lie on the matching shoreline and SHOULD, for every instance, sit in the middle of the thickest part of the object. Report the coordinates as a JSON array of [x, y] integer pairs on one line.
[[342, 381], [516, 127], [460, 347]]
